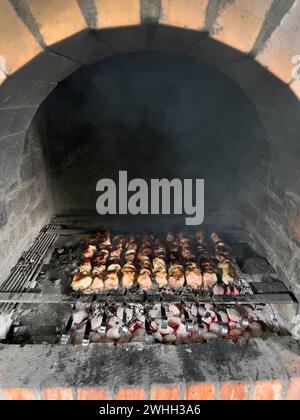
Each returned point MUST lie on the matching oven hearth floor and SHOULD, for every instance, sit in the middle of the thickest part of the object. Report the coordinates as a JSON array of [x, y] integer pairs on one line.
[[38, 291], [41, 368]]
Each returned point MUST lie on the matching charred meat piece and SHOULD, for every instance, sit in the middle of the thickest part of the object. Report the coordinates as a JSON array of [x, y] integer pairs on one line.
[[81, 281], [160, 252], [227, 271], [143, 259], [118, 240], [176, 276], [160, 272], [98, 269], [145, 250], [182, 236], [161, 278], [105, 239], [112, 279], [129, 272], [85, 266], [186, 252], [209, 276], [193, 276], [116, 252], [216, 237], [221, 249], [159, 264], [200, 236], [144, 279], [170, 237], [201, 249], [97, 284], [130, 255], [92, 240], [101, 257], [89, 251], [131, 244]]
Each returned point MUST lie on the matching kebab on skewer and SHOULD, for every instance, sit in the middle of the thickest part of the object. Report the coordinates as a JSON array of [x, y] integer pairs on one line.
[[193, 275], [209, 276], [112, 280], [97, 285], [144, 279], [160, 272], [176, 276], [129, 275], [89, 251], [81, 281]]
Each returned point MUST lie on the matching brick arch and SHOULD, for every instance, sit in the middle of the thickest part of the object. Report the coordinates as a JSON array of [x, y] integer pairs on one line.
[[41, 43], [254, 43]]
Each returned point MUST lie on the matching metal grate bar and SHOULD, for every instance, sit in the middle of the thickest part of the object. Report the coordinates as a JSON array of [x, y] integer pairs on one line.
[[29, 265]]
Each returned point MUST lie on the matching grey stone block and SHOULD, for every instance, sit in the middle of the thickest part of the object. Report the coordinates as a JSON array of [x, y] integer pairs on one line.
[[85, 47], [3, 212], [247, 72], [14, 120], [124, 40], [41, 212], [15, 93], [10, 158], [175, 40], [47, 67], [32, 164], [20, 200], [214, 53], [18, 234]]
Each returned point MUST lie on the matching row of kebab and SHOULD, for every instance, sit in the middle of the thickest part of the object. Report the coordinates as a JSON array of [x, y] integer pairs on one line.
[[163, 322], [145, 261]]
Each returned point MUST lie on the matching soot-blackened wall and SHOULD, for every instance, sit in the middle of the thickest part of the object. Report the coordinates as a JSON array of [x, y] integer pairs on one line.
[[157, 116]]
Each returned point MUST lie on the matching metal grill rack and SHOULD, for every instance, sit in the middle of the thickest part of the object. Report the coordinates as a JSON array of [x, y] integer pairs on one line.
[[19, 286], [24, 274]]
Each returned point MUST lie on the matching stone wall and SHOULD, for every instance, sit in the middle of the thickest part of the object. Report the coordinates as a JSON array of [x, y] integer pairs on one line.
[[26, 205], [271, 216], [155, 115]]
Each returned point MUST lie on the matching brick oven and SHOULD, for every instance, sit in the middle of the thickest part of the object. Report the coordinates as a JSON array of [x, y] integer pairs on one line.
[[205, 89]]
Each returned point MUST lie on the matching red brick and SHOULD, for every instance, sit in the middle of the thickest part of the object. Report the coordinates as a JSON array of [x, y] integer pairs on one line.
[[234, 391], [277, 55], [267, 390], [57, 19], [293, 392], [240, 22], [57, 394], [130, 394], [17, 45], [200, 392], [92, 394], [288, 354], [188, 14], [18, 394], [116, 13], [164, 392]]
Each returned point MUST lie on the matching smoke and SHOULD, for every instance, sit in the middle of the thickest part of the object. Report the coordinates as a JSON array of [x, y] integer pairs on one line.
[[157, 116]]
